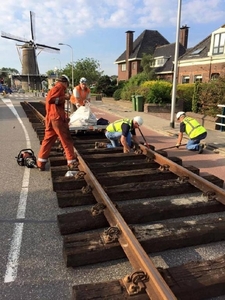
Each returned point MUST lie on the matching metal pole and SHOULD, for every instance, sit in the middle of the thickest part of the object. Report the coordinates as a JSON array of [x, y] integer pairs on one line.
[[174, 90], [71, 62]]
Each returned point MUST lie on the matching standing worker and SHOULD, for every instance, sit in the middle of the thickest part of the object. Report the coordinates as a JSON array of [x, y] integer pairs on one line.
[[56, 125], [123, 129], [193, 129], [81, 95]]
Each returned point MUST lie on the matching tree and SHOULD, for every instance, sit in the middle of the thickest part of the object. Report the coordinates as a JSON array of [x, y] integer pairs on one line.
[[6, 74], [106, 85], [146, 63], [88, 68]]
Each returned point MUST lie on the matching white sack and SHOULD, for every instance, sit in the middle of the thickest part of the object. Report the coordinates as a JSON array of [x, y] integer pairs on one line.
[[82, 116]]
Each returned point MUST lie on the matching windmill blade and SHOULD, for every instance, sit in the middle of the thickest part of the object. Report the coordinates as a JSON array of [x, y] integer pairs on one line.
[[47, 47], [32, 25], [13, 37]]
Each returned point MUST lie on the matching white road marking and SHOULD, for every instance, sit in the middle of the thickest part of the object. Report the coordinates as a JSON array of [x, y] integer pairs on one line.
[[14, 253]]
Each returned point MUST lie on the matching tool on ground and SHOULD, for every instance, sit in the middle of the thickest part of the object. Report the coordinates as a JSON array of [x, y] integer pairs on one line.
[[171, 147], [146, 143], [27, 158]]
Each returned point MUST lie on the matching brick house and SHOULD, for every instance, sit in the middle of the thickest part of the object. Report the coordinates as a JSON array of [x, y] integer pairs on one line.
[[203, 62], [129, 62]]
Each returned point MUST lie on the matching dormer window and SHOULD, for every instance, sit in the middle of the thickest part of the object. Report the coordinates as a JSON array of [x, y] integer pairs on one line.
[[159, 61], [218, 44]]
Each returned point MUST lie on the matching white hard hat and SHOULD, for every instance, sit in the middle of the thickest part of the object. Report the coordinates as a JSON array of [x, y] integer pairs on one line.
[[179, 114], [139, 120], [83, 80], [64, 78]]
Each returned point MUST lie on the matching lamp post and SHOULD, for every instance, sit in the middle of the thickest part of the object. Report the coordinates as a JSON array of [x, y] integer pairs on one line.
[[71, 62], [174, 89]]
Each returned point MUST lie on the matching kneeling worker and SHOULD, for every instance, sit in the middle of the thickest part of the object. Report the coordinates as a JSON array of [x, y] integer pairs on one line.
[[123, 129], [193, 129]]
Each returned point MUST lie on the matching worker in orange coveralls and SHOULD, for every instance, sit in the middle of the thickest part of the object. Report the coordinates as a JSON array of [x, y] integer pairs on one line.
[[81, 95], [56, 125]]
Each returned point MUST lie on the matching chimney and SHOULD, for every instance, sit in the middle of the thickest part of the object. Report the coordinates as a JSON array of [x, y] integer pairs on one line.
[[184, 36], [129, 49]]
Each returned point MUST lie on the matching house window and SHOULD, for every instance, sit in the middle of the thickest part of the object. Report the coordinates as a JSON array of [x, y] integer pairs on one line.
[[197, 78], [123, 67], [133, 65], [215, 76], [218, 44], [185, 79], [159, 62]]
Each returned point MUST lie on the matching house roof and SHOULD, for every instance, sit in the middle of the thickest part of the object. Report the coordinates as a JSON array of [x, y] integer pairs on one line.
[[145, 43], [199, 51], [168, 51]]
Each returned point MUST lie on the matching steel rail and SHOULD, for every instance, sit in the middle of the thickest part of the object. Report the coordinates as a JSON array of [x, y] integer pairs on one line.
[[196, 180], [156, 287], [36, 112], [199, 182]]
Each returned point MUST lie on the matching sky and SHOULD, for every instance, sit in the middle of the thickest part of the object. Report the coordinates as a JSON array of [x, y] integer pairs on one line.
[[96, 28]]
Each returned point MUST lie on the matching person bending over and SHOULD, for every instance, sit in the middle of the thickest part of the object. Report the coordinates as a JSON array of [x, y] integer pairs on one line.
[[122, 130]]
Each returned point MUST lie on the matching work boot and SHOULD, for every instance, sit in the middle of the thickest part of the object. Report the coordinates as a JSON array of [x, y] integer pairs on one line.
[[200, 148], [41, 166], [73, 165], [100, 145]]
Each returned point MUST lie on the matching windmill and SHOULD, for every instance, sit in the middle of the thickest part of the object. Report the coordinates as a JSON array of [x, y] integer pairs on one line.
[[30, 76]]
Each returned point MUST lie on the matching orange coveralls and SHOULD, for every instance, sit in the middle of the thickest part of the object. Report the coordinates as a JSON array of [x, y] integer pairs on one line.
[[56, 126], [83, 93]]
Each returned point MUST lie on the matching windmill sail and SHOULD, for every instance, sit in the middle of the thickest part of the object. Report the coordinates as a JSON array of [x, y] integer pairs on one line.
[[30, 67]]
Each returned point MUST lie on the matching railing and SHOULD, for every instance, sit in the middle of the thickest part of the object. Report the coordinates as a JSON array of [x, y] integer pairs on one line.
[[222, 117]]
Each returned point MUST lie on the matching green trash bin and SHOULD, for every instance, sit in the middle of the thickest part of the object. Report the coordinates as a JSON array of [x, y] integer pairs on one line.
[[133, 102], [139, 103]]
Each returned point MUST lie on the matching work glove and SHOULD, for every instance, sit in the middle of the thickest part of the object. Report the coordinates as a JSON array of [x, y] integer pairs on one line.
[[86, 102], [178, 145]]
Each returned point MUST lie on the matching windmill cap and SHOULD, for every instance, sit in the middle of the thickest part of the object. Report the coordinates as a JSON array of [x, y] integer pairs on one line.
[[179, 114], [139, 120]]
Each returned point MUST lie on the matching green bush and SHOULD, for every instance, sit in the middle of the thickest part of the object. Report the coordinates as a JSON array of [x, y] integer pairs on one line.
[[211, 94], [157, 91], [130, 87], [117, 94], [185, 92], [195, 98]]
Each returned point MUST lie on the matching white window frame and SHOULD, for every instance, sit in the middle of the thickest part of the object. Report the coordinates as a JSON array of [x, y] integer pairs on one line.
[[218, 43], [123, 67], [217, 46], [185, 79], [197, 78], [159, 61]]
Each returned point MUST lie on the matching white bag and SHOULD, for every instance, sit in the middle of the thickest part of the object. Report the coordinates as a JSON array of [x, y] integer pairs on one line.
[[82, 116]]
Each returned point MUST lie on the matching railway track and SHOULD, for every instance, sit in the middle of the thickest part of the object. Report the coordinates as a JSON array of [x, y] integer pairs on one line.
[[133, 206]]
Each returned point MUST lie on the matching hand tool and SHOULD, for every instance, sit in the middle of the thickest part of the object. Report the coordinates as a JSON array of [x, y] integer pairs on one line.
[[171, 147], [144, 138]]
